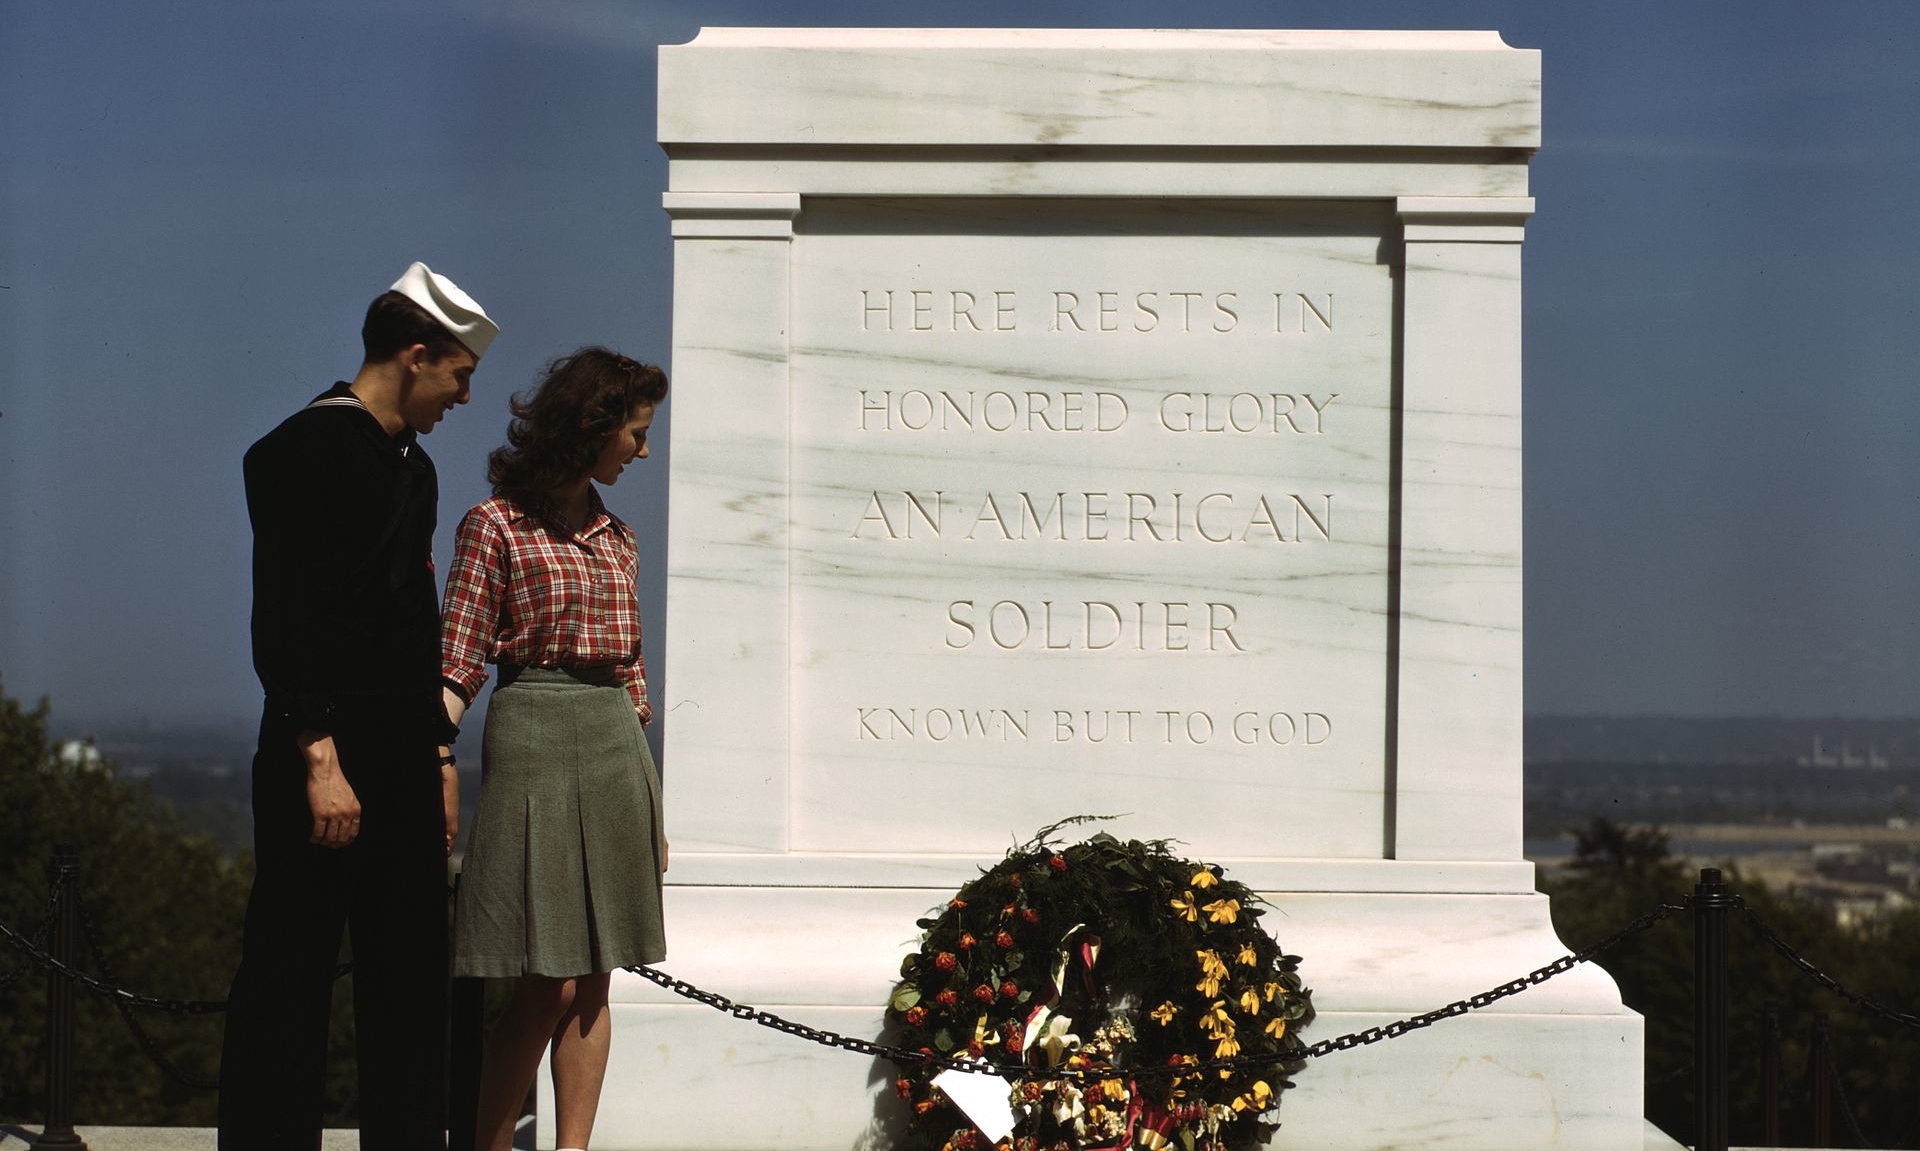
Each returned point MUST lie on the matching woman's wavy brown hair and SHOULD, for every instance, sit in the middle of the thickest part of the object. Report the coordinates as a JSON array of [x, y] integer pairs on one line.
[[559, 427]]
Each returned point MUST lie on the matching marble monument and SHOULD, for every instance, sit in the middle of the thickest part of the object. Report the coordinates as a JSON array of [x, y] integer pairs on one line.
[[1103, 422]]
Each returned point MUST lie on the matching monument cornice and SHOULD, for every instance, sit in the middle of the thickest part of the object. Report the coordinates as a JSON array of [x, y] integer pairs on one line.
[[1098, 87]]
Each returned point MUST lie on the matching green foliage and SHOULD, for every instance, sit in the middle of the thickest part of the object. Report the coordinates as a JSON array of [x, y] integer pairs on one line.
[[1619, 873], [164, 906]]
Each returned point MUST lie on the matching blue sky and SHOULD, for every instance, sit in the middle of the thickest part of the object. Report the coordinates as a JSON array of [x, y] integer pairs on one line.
[[197, 200]]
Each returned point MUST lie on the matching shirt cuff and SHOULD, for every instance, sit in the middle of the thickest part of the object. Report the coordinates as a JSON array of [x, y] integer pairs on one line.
[[312, 711]]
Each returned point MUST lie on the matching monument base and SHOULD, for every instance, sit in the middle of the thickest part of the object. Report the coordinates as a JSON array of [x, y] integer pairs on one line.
[[1557, 1065]]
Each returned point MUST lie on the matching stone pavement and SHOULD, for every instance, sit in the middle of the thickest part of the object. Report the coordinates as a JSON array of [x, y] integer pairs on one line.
[[17, 1137]]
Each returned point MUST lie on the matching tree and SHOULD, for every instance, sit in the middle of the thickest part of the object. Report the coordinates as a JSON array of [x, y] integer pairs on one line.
[[1619, 873], [163, 905]]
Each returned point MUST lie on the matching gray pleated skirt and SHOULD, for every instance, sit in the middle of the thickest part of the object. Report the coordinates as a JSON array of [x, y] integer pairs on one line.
[[562, 871]]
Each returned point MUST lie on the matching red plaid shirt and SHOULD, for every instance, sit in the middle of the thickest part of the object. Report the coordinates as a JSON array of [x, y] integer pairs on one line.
[[527, 592]]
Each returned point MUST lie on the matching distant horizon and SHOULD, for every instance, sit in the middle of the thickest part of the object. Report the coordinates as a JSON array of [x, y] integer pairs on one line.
[[64, 727]]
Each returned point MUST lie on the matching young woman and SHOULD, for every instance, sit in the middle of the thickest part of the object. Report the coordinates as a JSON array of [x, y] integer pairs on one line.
[[561, 881]]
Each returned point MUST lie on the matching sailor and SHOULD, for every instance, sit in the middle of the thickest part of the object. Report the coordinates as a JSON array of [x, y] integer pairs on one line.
[[355, 796]]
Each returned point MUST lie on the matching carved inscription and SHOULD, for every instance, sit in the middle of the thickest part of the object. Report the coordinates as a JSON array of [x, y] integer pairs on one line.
[[1271, 728], [1244, 413], [1163, 474], [1098, 517], [1095, 311], [1092, 625]]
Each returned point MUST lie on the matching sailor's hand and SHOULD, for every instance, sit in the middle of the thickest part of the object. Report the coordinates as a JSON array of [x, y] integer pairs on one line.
[[335, 808]]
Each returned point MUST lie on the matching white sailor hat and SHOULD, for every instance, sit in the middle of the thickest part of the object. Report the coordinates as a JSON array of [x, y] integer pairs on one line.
[[445, 302]]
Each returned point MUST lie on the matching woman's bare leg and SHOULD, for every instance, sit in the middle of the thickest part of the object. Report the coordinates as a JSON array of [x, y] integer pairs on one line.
[[580, 1044], [513, 1055]]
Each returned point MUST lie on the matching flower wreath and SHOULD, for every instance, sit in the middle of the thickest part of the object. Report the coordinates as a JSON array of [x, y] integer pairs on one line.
[[1103, 956]]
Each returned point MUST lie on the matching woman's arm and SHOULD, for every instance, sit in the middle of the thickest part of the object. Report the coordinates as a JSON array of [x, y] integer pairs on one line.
[[470, 611], [475, 584]]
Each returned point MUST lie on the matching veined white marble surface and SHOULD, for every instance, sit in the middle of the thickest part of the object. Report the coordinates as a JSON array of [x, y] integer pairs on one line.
[[1103, 422], [1113, 87], [686, 1076], [1088, 512]]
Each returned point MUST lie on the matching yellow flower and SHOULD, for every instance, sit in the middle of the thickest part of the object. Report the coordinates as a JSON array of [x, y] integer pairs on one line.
[[1216, 1022], [1113, 1089], [1184, 907], [1202, 879], [1227, 1048], [1275, 990], [1164, 1013], [1256, 1097], [1212, 971], [1223, 910], [1247, 958], [1276, 1027], [1250, 1001], [984, 1035]]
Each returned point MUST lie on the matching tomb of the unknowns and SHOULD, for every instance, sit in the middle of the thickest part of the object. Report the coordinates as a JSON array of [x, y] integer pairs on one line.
[[1103, 422]]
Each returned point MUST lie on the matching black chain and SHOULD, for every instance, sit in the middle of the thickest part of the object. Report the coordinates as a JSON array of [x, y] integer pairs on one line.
[[1840, 1093], [1786, 950], [125, 1000], [148, 1045], [824, 1038], [41, 936], [1533, 978], [40, 956], [1020, 1071]]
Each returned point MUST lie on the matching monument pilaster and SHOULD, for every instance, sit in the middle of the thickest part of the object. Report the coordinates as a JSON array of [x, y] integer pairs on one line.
[[1458, 784], [727, 537]]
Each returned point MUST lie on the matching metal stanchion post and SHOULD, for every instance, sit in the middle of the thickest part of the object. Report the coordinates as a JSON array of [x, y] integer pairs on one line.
[[467, 1043], [1772, 1077], [63, 872], [1711, 899], [1820, 1080]]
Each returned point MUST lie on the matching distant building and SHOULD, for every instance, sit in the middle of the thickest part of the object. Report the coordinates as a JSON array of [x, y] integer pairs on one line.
[[78, 755], [1847, 759]]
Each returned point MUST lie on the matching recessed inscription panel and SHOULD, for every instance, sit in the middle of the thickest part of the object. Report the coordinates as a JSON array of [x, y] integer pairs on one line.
[[1089, 514]]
